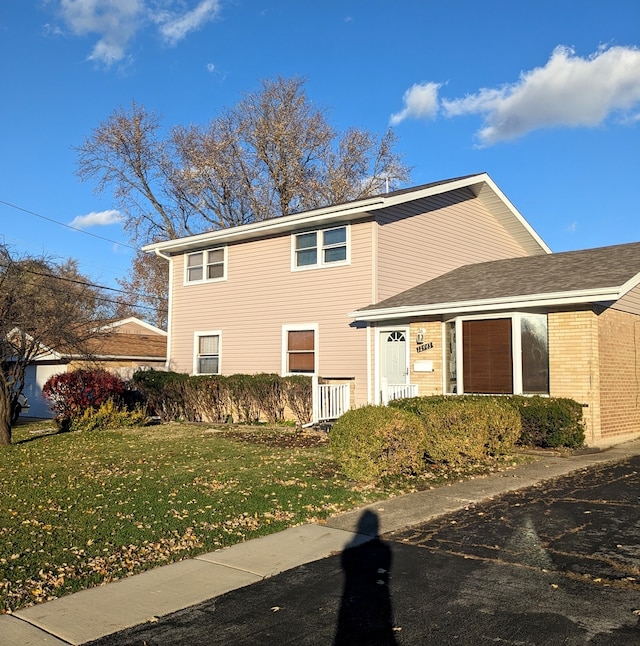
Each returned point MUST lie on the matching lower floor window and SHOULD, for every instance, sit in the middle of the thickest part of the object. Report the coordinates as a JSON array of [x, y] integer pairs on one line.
[[207, 354], [300, 351], [499, 355]]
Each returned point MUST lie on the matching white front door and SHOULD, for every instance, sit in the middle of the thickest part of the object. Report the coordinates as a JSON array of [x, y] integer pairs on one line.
[[393, 361]]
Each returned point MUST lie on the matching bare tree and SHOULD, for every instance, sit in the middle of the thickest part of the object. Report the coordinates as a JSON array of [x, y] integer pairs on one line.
[[148, 279], [273, 154], [42, 305]]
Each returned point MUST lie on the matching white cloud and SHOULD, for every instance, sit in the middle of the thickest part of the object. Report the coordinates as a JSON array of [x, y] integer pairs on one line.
[[174, 26], [211, 67], [569, 91], [420, 102], [96, 219], [116, 22]]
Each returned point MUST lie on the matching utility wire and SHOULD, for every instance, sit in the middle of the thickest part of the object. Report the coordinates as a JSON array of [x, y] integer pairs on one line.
[[68, 226], [84, 283], [104, 299]]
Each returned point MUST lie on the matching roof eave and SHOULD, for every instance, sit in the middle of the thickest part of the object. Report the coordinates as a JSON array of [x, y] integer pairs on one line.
[[491, 304], [265, 227], [323, 216]]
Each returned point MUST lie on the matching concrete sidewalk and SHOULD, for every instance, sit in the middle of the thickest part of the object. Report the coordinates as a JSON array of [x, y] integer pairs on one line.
[[94, 613]]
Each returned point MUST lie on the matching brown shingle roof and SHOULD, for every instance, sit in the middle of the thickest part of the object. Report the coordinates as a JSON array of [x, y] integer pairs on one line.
[[119, 344], [570, 271]]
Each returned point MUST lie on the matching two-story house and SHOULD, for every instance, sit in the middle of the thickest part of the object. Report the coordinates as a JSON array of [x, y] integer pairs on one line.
[[442, 264]]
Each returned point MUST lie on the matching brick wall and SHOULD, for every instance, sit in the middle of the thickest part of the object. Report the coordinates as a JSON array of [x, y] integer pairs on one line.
[[619, 340], [574, 364], [429, 383]]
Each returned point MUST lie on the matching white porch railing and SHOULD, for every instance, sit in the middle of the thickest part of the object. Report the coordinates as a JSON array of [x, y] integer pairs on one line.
[[399, 391], [330, 401]]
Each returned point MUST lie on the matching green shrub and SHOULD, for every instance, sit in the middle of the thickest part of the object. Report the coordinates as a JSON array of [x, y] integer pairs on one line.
[[109, 415], [464, 429], [505, 426], [550, 422], [373, 441]]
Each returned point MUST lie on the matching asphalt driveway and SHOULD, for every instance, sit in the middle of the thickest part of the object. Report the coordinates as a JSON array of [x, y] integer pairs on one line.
[[558, 563]]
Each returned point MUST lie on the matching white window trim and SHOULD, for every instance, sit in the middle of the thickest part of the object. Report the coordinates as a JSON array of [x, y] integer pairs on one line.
[[320, 264], [300, 327], [516, 346], [196, 355], [204, 252]]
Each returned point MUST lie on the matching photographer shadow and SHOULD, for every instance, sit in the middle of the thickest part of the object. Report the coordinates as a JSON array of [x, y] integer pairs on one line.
[[366, 615]]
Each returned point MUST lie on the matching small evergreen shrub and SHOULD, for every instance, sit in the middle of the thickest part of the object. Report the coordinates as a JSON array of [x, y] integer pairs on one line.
[[108, 416], [550, 422], [374, 441], [73, 393]]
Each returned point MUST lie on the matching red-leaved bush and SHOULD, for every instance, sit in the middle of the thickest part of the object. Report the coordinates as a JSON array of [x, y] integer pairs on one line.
[[72, 393]]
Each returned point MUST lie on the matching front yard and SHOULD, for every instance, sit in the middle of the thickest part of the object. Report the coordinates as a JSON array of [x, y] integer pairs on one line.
[[82, 509]]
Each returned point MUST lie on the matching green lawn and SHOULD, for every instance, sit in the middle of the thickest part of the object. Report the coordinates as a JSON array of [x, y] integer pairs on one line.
[[80, 509]]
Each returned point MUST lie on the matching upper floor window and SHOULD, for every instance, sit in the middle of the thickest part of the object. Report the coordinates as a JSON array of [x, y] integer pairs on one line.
[[203, 266], [320, 248]]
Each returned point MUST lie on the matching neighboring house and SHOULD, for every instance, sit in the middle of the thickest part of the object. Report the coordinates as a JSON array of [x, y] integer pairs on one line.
[[443, 263], [122, 347]]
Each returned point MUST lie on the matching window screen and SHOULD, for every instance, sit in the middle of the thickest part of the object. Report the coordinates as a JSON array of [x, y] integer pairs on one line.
[[301, 351]]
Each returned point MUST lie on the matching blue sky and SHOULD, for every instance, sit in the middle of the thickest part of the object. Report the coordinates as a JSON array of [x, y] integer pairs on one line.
[[544, 96]]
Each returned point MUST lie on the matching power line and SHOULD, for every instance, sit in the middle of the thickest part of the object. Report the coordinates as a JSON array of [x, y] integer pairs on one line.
[[68, 226], [98, 297]]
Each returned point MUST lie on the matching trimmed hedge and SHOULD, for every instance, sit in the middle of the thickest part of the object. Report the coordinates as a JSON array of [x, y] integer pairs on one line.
[[546, 422], [217, 398], [374, 441], [550, 422], [461, 429]]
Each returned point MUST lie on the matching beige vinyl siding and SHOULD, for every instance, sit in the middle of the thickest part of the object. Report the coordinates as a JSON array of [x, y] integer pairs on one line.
[[261, 294], [423, 239], [630, 302], [514, 226]]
